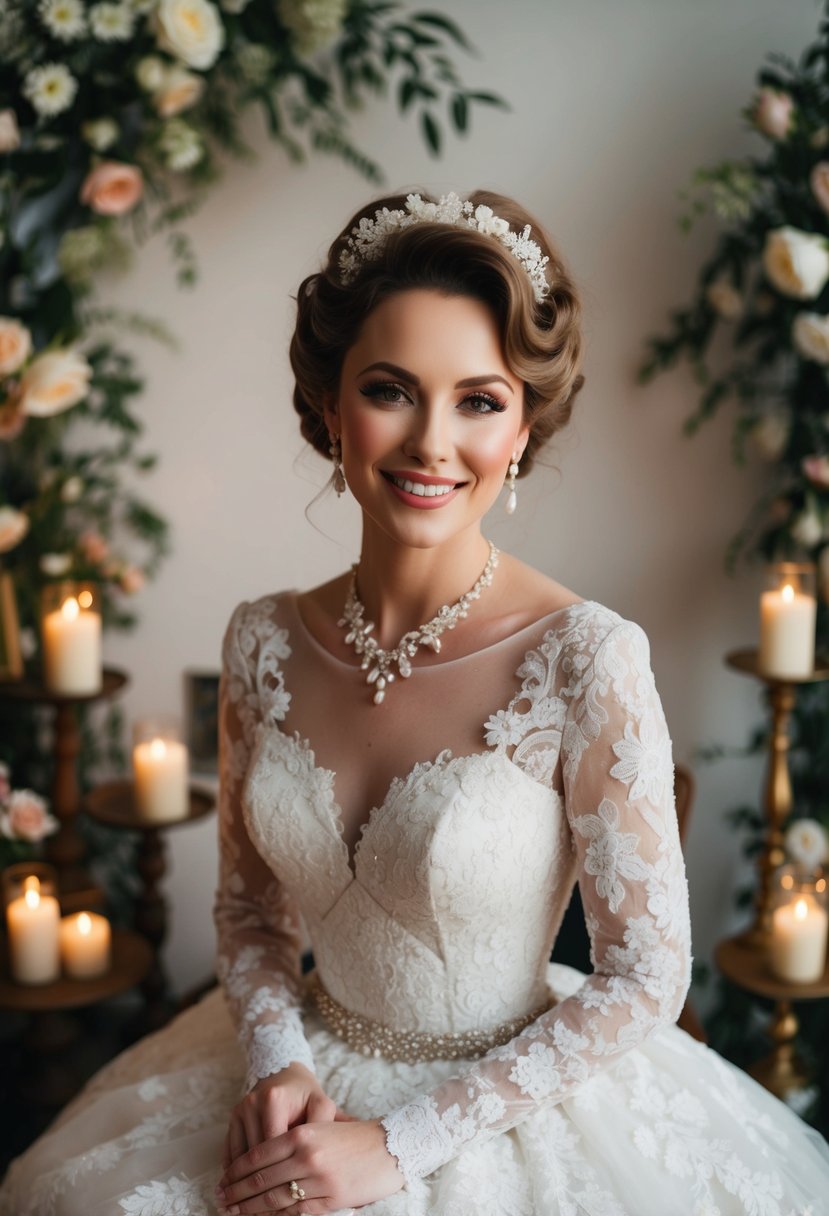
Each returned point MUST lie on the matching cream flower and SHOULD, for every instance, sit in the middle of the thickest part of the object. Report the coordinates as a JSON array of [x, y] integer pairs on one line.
[[112, 188], [25, 817], [111, 22], [71, 490], [9, 131], [773, 112], [13, 527], [769, 436], [64, 19], [53, 382], [100, 133], [178, 91], [15, 345], [180, 145], [725, 300], [150, 72], [611, 855], [190, 29], [819, 181], [313, 23], [55, 564], [50, 89], [810, 336], [807, 528], [796, 262], [807, 843]]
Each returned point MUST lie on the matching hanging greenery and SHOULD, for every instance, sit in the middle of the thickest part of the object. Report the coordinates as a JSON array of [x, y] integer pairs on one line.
[[756, 334], [115, 120]]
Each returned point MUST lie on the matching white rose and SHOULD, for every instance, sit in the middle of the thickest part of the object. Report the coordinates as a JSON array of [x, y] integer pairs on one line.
[[150, 73], [100, 133], [71, 490], [55, 564], [807, 528], [796, 262], [190, 29], [9, 131], [13, 527], [725, 300], [810, 335], [179, 91], [15, 345], [769, 436], [806, 842], [53, 382]]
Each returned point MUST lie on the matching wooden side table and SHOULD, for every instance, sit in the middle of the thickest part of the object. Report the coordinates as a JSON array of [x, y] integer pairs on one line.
[[66, 849], [743, 958], [50, 1080], [113, 804]]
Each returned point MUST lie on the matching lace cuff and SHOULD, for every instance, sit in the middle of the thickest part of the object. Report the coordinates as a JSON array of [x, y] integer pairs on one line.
[[273, 1047], [417, 1138]]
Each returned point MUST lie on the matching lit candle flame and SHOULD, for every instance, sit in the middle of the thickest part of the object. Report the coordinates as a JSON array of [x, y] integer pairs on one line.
[[801, 909], [32, 897], [70, 609], [84, 924], [32, 883], [788, 593], [158, 749]]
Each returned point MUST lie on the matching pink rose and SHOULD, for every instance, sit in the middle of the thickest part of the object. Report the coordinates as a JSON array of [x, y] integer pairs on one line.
[[816, 469], [131, 580], [26, 817], [112, 188], [93, 546], [819, 181], [773, 113]]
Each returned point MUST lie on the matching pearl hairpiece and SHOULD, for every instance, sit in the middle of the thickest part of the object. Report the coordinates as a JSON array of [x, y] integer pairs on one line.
[[366, 241]]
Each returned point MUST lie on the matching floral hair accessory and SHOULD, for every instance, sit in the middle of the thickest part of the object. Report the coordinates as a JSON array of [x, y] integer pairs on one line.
[[366, 241]]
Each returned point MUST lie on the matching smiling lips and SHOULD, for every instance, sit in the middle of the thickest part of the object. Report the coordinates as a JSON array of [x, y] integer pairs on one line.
[[420, 490]]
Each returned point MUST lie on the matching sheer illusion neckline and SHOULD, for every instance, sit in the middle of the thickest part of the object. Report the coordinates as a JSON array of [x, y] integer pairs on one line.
[[444, 663]]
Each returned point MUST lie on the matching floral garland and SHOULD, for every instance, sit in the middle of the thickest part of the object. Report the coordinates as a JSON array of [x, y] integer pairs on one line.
[[114, 117]]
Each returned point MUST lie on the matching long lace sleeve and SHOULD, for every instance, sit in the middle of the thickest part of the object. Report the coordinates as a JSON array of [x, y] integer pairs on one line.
[[257, 926], [618, 793]]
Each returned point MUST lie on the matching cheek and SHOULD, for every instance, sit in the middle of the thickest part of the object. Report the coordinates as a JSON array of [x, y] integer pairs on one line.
[[367, 433], [492, 450]]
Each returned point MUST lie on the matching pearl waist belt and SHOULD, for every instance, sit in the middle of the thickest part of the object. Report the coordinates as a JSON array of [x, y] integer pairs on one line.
[[413, 1046]]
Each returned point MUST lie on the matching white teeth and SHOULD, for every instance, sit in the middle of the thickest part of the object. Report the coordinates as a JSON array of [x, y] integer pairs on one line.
[[420, 490]]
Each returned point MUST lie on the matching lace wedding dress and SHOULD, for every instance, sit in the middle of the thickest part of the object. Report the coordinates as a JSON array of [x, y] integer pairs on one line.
[[440, 921]]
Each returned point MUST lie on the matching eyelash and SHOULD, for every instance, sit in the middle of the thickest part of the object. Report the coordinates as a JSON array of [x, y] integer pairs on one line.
[[376, 389]]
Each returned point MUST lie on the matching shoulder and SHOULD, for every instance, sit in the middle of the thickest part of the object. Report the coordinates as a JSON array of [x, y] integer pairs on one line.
[[582, 643], [255, 623]]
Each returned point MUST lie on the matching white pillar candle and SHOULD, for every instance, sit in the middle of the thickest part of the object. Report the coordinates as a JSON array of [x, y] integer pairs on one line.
[[161, 780], [798, 940], [85, 940], [787, 633], [72, 649], [33, 921]]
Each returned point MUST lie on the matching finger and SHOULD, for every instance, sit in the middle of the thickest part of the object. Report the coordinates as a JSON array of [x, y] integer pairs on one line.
[[342, 1116], [256, 1159], [277, 1199], [251, 1121], [237, 1141], [226, 1155], [275, 1115], [321, 1109]]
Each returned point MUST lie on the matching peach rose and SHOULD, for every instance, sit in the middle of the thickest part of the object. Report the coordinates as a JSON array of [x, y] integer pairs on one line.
[[112, 188], [53, 382], [15, 345], [816, 468], [93, 546], [179, 91], [131, 580], [773, 113], [26, 817]]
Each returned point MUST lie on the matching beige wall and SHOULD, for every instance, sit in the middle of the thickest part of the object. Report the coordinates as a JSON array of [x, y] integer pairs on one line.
[[614, 103]]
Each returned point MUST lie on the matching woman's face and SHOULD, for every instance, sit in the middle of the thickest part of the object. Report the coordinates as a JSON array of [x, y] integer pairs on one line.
[[429, 416]]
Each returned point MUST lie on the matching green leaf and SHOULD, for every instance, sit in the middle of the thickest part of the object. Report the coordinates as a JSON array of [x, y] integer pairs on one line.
[[431, 132], [460, 112], [447, 26]]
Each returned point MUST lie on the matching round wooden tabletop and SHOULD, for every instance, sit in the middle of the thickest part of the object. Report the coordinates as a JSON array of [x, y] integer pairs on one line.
[[114, 804], [747, 966], [747, 662], [132, 958], [113, 680]]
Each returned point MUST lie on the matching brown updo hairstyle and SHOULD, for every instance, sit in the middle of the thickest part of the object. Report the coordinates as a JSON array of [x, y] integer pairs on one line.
[[541, 341]]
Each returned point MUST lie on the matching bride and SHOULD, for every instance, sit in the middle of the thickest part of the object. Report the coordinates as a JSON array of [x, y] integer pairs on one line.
[[509, 740]]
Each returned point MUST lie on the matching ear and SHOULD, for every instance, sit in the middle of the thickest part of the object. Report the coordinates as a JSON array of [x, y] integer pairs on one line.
[[331, 415], [521, 441]]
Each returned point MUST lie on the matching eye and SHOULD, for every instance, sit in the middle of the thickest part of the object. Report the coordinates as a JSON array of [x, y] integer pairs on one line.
[[385, 391], [483, 403]]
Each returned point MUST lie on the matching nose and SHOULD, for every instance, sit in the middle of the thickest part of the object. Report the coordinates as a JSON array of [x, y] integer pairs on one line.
[[429, 440]]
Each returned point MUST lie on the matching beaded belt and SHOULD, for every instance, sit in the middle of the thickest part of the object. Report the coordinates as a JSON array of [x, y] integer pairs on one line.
[[412, 1046]]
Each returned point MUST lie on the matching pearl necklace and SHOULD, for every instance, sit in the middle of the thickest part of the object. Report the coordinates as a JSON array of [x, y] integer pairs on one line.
[[377, 662]]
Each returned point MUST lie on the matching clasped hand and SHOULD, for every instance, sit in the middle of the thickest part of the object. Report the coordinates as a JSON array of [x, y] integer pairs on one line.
[[288, 1130]]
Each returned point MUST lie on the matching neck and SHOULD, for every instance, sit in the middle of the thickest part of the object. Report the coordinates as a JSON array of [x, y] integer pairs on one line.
[[402, 587]]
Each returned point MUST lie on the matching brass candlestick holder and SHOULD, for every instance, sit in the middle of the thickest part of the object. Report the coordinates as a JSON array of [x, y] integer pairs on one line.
[[744, 958]]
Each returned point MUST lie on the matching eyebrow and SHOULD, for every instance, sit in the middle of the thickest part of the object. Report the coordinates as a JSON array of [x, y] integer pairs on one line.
[[411, 378]]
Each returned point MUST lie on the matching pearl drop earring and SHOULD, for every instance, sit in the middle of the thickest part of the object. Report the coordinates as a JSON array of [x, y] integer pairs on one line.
[[337, 478], [512, 473]]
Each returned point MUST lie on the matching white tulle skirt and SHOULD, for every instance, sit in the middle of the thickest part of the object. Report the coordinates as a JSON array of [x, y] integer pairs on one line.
[[670, 1129]]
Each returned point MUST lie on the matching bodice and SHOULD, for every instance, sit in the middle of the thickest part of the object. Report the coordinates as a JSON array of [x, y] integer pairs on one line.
[[459, 883]]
